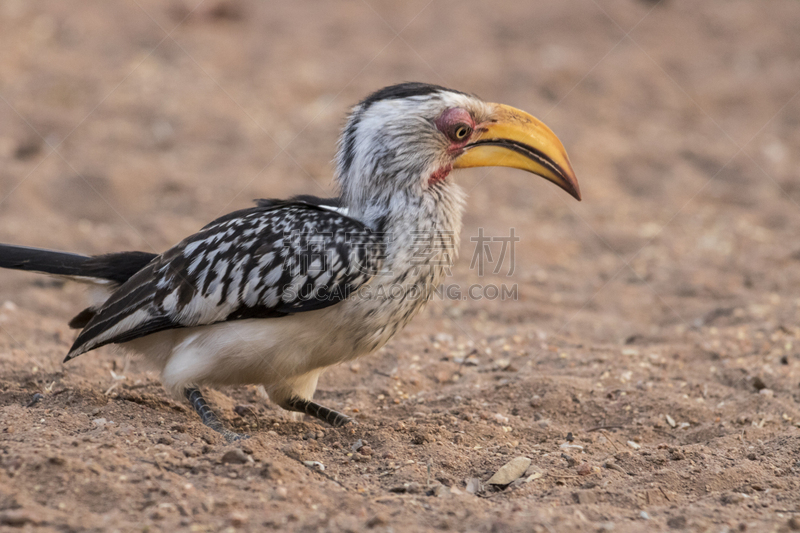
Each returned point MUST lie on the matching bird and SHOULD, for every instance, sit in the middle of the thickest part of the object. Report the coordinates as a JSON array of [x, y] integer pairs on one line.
[[274, 294]]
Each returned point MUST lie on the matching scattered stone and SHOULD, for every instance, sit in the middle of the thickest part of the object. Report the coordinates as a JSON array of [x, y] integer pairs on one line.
[[733, 498], [510, 471], [17, 518], [644, 516], [794, 523], [236, 457], [443, 338], [500, 419], [584, 469], [315, 464], [470, 360], [585, 496], [238, 519], [377, 520], [569, 459], [677, 522], [634, 445], [438, 491], [670, 421], [501, 364], [532, 477], [676, 455], [357, 445], [758, 383], [474, 485], [271, 471], [35, 399], [769, 393]]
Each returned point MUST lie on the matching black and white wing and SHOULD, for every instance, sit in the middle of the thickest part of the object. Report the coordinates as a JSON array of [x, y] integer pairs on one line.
[[268, 261]]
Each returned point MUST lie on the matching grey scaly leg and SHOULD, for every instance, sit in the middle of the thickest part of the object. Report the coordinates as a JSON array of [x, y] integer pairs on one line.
[[209, 417], [316, 410]]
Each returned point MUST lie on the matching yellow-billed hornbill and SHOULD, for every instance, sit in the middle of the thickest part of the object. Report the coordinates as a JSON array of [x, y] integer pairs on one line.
[[274, 294]]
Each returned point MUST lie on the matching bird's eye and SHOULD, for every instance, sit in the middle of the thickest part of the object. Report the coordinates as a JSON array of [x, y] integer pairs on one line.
[[461, 132]]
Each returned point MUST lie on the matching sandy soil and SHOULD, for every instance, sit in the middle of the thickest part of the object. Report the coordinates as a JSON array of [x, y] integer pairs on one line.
[[650, 367]]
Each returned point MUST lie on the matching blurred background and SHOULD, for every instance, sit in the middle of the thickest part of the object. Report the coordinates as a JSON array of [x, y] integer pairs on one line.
[[674, 286], [128, 125]]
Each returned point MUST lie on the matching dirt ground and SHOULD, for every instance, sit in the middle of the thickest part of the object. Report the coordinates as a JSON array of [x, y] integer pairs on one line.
[[649, 369]]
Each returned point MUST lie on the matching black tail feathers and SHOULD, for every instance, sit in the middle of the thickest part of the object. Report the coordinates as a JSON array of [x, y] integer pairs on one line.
[[109, 269], [38, 260], [116, 268]]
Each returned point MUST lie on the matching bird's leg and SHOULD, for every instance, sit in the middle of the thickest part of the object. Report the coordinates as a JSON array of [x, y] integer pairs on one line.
[[318, 411], [209, 417]]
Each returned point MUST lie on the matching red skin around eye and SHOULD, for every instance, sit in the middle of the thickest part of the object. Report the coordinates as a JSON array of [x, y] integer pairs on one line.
[[448, 120], [446, 123]]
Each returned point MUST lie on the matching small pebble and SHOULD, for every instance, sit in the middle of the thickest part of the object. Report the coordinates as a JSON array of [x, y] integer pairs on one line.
[[670, 421], [238, 519], [474, 485], [377, 520], [535, 475], [644, 515], [242, 410], [634, 445], [236, 457], [510, 471], [35, 399], [315, 464], [769, 393], [17, 518], [500, 419]]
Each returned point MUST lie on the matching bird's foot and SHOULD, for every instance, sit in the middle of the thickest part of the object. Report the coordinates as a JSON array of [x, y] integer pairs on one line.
[[334, 418], [209, 417]]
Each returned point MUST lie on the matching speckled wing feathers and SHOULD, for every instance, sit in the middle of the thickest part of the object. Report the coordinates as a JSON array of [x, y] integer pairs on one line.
[[268, 261]]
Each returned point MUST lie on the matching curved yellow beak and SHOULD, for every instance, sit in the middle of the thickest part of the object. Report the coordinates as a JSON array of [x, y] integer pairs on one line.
[[513, 138]]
